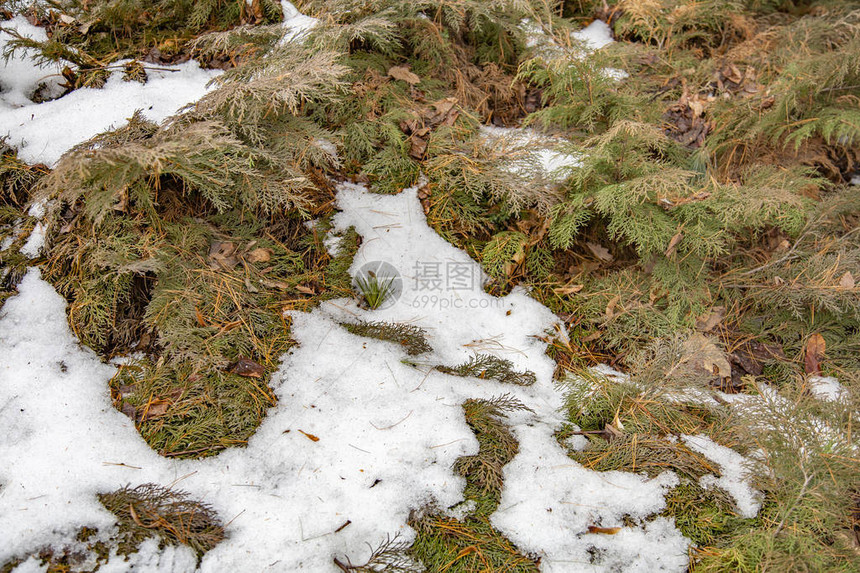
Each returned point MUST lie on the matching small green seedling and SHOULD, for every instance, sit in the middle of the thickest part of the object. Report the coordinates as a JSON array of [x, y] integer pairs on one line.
[[375, 290]]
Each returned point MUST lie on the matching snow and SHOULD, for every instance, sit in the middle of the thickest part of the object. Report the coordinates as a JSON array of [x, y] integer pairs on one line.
[[734, 474], [35, 242], [86, 112], [549, 501], [296, 24], [596, 35], [530, 147], [33, 127], [593, 37], [19, 77], [827, 388], [389, 432]]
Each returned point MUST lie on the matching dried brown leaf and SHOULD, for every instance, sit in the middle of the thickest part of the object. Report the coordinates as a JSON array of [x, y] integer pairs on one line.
[[814, 354], [311, 437], [701, 352], [248, 368], [603, 530], [600, 251], [710, 321], [403, 73], [259, 256]]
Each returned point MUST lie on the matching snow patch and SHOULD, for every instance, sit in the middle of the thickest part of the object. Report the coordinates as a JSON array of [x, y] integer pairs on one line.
[[86, 112], [734, 478], [828, 388], [20, 76], [296, 24], [549, 501], [596, 35], [35, 242]]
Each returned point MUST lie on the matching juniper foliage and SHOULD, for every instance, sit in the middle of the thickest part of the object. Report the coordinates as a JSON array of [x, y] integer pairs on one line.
[[152, 510], [412, 338], [492, 368]]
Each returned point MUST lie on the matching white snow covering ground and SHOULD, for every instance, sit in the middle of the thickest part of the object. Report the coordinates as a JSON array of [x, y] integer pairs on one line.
[[33, 128], [42, 132], [376, 418], [827, 388], [20, 76], [596, 35], [593, 37]]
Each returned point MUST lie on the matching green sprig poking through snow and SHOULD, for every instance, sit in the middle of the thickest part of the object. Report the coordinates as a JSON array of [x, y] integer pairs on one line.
[[491, 368], [412, 338]]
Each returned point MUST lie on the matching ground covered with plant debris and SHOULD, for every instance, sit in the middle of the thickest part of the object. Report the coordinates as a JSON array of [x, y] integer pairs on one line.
[[439, 285]]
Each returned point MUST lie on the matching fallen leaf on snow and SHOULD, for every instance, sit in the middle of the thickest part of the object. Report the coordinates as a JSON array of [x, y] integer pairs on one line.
[[603, 530], [311, 437]]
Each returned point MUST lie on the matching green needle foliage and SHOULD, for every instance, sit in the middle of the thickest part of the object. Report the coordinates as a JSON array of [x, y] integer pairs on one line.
[[492, 368], [152, 510], [412, 338], [771, 89], [92, 34]]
